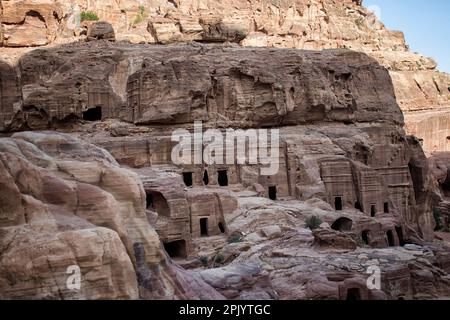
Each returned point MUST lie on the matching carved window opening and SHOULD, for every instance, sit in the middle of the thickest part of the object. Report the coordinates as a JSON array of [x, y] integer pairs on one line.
[[273, 193], [358, 206], [338, 203], [93, 114], [187, 178], [204, 227], [386, 207], [205, 178], [390, 238], [223, 178], [365, 236], [353, 294], [176, 249], [373, 210]]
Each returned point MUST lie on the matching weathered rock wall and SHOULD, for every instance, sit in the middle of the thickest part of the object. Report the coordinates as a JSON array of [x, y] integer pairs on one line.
[[162, 85], [301, 24], [67, 203]]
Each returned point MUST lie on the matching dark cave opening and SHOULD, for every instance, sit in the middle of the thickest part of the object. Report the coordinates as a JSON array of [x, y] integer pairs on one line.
[[204, 227], [187, 178], [365, 236], [342, 224], [273, 193], [338, 203], [353, 294], [390, 238], [373, 210], [221, 227], [401, 239], [205, 177], [222, 178], [93, 114], [176, 249]]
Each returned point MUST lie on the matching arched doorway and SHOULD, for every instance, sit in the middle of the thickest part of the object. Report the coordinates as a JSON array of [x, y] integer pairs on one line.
[[342, 224]]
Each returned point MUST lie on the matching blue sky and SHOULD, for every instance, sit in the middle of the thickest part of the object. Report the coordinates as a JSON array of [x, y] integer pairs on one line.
[[426, 24]]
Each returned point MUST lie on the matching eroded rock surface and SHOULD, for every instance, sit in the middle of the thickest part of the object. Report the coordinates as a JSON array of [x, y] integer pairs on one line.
[[421, 91], [67, 203]]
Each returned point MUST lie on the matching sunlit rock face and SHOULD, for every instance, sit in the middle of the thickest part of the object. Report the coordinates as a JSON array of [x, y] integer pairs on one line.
[[314, 25], [65, 204], [351, 190]]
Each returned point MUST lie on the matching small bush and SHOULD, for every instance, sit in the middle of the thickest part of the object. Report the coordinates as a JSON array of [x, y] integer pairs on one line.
[[89, 16], [140, 17], [235, 239], [204, 260], [313, 222], [219, 258]]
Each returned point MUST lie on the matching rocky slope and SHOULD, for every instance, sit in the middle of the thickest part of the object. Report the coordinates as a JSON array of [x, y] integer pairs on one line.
[[422, 91], [67, 203]]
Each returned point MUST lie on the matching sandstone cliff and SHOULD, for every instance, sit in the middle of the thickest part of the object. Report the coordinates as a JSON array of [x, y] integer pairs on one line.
[[422, 92], [64, 203]]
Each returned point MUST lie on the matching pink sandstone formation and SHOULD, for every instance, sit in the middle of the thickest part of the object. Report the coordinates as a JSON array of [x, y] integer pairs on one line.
[[421, 91], [101, 191]]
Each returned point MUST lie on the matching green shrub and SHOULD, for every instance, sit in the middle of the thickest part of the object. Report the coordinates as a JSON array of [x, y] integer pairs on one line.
[[235, 239], [204, 260], [140, 16], [313, 222], [89, 16], [219, 258]]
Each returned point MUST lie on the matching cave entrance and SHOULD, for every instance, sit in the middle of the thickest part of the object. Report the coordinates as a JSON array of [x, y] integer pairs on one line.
[[373, 210], [358, 206], [187, 178], [204, 227], [338, 203], [93, 114], [156, 201], [221, 227], [353, 294], [401, 239], [365, 236], [223, 178], [386, 207], [273, 193], [390, 238], [149, 200], [176, 249], [205, 177], [342, 224]]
